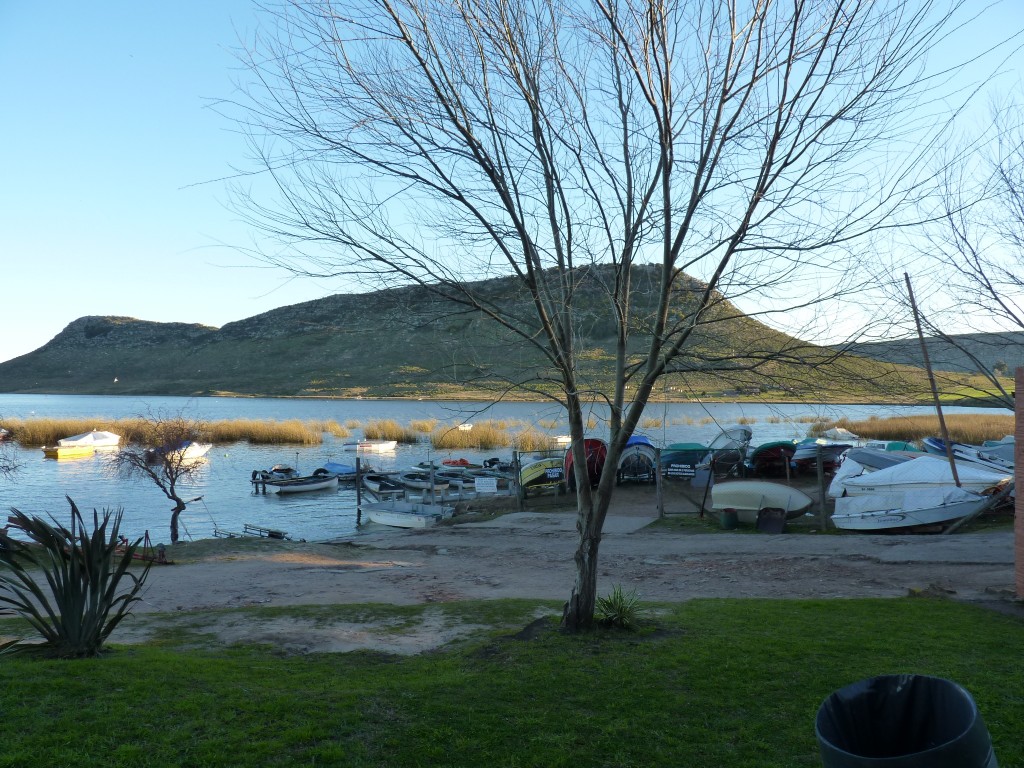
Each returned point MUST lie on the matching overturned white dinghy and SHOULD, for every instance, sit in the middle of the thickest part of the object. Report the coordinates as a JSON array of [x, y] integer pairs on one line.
[[908, 509], [748, 497]]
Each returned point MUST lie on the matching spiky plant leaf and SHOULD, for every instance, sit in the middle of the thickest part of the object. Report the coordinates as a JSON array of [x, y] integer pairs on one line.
[[69, 584]]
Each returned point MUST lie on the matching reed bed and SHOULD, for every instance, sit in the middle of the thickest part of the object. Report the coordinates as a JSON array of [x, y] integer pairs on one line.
[[747, 420], [531, 439], [484, 435], [549, 424], [963, 427], [425, 426], [331, 427], [46, 431], [352, 424], [651, 423], [389, 429]]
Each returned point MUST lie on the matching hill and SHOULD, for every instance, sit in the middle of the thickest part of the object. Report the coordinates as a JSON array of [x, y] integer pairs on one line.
[[405, 342], [963, 353]]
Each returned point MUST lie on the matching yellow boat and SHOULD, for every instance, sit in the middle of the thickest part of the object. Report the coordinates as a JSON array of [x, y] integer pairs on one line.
[[67, 451], [543, 472]]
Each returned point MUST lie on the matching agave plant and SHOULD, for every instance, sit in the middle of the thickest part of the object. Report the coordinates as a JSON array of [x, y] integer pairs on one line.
[[67, 584], [619, 609]]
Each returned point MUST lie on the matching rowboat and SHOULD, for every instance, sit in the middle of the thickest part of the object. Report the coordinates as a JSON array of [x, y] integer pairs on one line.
[[422, 481], [406, 514], [378, 446], [312, 482], [638, 461], [380, 482], [748, 497]]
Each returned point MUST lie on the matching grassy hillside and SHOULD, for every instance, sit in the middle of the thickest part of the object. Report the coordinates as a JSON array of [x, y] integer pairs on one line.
[[407, 343]]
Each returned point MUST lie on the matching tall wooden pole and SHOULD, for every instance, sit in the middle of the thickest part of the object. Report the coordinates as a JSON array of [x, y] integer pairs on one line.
[[931, 381], [1018, 474]]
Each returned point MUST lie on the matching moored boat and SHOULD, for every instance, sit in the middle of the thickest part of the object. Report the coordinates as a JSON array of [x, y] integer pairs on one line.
[[919, 474], [382, 482], [378, 446], [315, 482], [85, 444], [186, 451], [419, 480]]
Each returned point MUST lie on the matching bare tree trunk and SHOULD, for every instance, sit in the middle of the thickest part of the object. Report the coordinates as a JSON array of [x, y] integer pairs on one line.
[[179, 507]]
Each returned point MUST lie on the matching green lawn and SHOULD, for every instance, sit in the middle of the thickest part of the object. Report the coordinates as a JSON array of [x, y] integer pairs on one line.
[[706, 683]]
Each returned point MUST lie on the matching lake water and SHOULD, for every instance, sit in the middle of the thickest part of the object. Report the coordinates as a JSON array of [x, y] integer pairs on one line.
[[224, 495]]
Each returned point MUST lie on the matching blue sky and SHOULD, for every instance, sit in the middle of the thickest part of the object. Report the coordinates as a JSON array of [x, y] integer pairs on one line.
[[112, 199], [110, 202]]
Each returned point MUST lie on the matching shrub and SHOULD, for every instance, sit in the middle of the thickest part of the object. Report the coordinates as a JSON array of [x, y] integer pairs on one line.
[[620, 609], [75, 602]]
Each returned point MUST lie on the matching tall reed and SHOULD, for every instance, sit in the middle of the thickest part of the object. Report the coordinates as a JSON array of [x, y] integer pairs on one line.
[[485, 435], [389, 429], [426, 426], [963, 427], [47, 431], [651, 423]]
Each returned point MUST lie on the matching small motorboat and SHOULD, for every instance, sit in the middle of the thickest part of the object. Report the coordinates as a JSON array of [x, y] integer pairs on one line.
[[638, 462], [406, 514], [546, 472], [808, 452], [276, 472], [909, 509], [187, 451], [344, 472], [596, 451], [772, 458], [85, 444]]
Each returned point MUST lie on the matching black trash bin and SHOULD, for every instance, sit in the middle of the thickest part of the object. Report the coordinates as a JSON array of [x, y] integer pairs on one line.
[[909, 721]]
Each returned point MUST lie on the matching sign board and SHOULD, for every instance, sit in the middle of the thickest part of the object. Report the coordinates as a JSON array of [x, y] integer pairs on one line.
[[486, 485]]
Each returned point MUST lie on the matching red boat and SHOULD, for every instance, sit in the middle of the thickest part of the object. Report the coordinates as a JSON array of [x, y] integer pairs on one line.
[[597, 451]]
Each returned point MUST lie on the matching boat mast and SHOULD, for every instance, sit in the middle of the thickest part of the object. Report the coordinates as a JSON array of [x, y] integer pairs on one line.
[[931, 381]]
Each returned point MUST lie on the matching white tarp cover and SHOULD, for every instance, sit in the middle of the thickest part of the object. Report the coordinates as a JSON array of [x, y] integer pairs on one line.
[[94, 438], [922, 472], [907, 501]]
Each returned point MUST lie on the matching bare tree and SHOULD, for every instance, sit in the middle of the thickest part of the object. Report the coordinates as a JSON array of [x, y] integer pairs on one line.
[[741, 151], [160, 457], [978, 302]]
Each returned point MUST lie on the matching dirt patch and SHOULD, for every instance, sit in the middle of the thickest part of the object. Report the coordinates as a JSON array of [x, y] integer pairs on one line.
[[530, 555]]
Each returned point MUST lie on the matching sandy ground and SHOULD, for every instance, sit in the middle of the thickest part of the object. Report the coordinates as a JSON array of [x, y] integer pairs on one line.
[[529, 555]]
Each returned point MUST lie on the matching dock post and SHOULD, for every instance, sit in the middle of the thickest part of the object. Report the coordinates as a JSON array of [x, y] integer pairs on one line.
[[359, 493]]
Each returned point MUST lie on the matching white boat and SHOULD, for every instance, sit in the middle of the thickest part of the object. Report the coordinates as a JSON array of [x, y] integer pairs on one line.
[[406, 514], [186, 452], [748, 497], [922, 473], [889, 511], [377, 446], [96, 439], [312, 482]]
